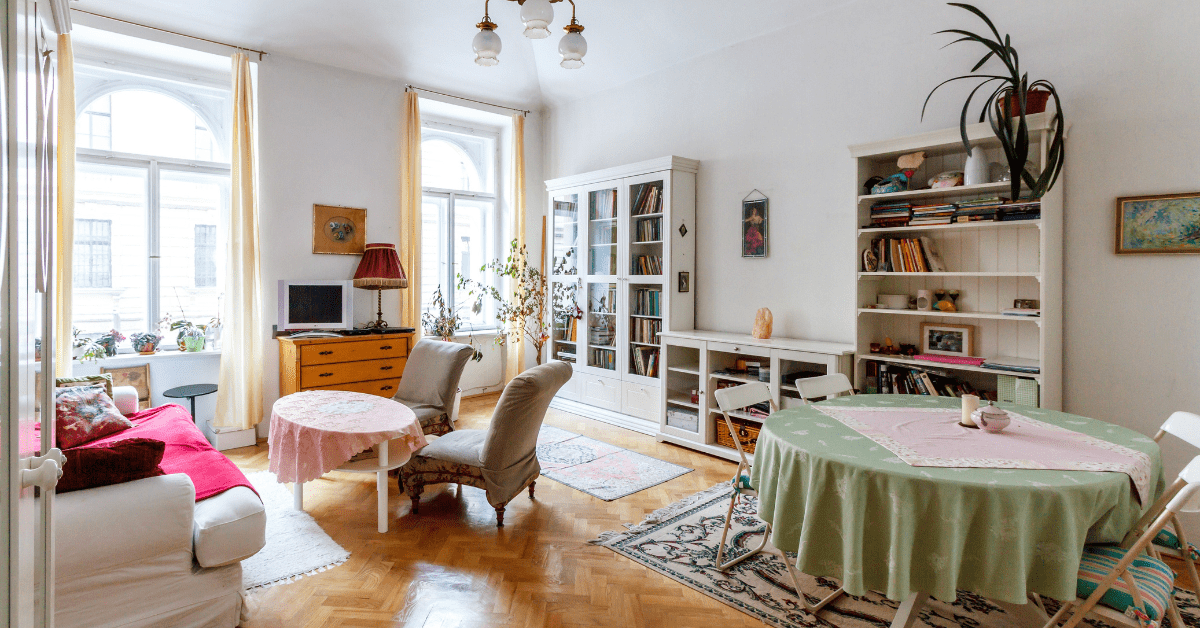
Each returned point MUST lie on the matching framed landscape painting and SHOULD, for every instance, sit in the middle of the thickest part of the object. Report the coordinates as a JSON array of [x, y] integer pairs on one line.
[[1166, 223]]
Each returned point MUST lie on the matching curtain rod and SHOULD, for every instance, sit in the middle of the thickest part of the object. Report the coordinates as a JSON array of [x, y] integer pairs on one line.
[[260, 53], [490, 104]]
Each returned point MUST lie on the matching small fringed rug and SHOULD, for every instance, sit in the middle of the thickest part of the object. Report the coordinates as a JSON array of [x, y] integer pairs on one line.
[[296, 545], [597, 468], [680, 541]]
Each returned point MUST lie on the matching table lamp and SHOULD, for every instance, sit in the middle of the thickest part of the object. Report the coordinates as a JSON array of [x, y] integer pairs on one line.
[[380, 269]]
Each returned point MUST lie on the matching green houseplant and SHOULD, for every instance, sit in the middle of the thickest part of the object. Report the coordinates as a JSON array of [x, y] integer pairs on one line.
[[443, 322], [1005, 108]]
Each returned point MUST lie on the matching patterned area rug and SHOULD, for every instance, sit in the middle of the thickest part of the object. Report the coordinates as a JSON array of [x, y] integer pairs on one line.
[[296, 545], [680, 542], [599, 469]]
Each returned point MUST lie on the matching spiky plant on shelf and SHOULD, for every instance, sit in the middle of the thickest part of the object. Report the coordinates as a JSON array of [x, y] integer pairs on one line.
[[1006, 106]]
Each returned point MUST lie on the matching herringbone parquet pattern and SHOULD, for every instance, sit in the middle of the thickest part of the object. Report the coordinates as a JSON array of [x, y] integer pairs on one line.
[[450, 567]]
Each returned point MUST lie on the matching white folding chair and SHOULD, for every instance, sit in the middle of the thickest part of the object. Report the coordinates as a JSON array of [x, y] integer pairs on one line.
[[1127, 583], [1171, 541], [730, 399], [824, 386]]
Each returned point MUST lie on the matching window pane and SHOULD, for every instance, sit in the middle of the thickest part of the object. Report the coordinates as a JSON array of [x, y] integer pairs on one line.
[[146, 123], [473, 247], [457, 161], [191, 233], [111, 220], [435, 259]]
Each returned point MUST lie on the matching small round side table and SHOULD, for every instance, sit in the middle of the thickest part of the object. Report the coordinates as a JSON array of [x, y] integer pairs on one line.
[[190, 393]]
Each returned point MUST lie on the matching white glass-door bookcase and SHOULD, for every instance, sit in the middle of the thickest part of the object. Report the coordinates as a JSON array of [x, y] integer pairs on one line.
[[620, 239], [987, 263]]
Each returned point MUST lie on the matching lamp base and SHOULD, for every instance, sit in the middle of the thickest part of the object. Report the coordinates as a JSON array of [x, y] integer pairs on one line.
[[378, 323]]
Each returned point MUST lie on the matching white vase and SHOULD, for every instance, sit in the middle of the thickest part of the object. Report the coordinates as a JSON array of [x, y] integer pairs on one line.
[[976, 170]]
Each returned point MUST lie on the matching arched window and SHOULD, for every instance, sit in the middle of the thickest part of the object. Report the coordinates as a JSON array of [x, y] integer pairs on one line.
[[149, 219], [144, 122], [446, 165]]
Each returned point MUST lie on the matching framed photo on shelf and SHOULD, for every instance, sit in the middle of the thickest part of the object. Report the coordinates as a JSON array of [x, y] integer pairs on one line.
[[946, 339], [1164, 223], [754, 227], [339, 230]]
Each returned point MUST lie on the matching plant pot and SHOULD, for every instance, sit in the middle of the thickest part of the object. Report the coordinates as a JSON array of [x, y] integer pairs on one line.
[[192, 343], [150, 351], [1035, 102]]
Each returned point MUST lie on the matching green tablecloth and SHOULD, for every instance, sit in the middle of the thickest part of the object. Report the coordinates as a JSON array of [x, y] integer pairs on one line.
[[857, 513]]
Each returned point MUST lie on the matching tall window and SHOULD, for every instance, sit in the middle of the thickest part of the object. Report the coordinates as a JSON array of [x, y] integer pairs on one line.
[[458, 216], [92, 266], [152, 196]]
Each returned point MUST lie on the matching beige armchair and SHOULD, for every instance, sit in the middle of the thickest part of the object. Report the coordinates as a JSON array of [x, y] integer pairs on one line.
[[501, 460], [430, 383]]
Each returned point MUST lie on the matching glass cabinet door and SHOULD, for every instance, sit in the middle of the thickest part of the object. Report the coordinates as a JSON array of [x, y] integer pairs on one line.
[[566, 232], [645, 325], [646, 229], [566, 315], [602, 325], [602, 232]]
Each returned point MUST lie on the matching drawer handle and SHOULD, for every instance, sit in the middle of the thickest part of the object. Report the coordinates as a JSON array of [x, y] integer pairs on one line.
[[325, 375], [385, 347], [386, 388], [736, 349], [385, 368], [325, 353], [742, 432]]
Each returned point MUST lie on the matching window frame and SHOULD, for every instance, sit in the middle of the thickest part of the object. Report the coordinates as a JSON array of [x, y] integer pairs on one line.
[[153, 166], [452, 195], [92, 243]]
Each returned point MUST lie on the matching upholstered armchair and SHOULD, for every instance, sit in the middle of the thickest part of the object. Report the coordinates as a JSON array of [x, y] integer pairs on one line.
[[501, 460], [430, 383]]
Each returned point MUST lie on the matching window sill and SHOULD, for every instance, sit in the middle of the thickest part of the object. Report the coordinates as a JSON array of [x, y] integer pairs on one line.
[[133, 358], [477, 332]]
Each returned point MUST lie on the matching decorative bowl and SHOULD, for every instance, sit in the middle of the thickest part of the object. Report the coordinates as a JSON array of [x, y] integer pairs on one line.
[[991, 419]]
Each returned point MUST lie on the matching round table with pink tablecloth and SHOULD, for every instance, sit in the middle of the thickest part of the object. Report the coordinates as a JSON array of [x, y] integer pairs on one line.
[[317, 431]]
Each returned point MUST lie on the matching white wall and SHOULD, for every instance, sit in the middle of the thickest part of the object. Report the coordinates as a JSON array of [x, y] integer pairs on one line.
[[777, 113], [331, 136]]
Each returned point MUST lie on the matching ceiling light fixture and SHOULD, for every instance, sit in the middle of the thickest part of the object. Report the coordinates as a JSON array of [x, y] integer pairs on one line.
[[537, 16]]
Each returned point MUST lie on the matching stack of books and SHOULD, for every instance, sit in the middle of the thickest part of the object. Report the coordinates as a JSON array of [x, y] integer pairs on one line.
[[932, 214], [648, 201], [1014, 365], [645, 361], [978, 209], [894, 379], [891, 214], [1024, 209], [908, 255], [647, 265]]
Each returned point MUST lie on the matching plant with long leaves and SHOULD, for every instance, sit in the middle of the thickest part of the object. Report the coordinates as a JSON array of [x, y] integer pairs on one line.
[[1010, 89], [525, 315], [444, 322]]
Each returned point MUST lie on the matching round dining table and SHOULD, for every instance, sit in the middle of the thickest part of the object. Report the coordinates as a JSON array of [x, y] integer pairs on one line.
[[317, 431], [855, 512]]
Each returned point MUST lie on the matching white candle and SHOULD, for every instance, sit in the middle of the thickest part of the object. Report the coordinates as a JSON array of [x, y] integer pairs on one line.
[[970, 403]]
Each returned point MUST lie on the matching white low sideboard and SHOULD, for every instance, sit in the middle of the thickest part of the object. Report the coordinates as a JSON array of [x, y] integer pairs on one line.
[[701, 360]]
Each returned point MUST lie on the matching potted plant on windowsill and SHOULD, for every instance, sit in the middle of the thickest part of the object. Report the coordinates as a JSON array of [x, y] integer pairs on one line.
[[189, 336], [1013, 98], [443, 322], [145, 343]]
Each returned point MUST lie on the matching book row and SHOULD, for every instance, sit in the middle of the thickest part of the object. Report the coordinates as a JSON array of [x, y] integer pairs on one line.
[[647, 265], [645, 330], [906, 255], [649, 200], [647, 302], [645, 361], [649, 230], [604, 204]]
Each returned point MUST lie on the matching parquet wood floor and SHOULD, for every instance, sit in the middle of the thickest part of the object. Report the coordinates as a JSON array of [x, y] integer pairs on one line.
[[450, 567]]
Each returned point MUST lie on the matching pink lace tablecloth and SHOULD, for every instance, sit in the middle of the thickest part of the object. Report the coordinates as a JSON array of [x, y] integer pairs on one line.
[[932, 437], [317, 431]]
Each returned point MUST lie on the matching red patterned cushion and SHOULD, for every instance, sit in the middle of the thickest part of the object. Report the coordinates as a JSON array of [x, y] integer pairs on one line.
[[111, 463], [85, 413]]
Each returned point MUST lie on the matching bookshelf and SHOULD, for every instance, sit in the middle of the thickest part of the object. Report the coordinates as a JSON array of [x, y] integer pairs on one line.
[[623, 228], [991, 262]]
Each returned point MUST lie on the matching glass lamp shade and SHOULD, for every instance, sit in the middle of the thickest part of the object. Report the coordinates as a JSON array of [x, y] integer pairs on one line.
[[572, 48], [537, 16], [487, 47]]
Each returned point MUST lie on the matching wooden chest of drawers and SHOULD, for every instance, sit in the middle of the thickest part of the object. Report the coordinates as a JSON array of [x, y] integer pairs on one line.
[[366, 364]]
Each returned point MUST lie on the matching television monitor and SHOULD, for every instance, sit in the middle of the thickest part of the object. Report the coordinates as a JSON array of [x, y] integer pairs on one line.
[[316, 305]]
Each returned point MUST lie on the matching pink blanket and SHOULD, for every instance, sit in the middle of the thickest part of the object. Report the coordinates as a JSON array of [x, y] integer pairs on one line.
[[187, 450], [932, 437]]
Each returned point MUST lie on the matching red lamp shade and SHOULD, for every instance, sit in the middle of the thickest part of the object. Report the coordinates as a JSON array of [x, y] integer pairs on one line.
[[380, 269]]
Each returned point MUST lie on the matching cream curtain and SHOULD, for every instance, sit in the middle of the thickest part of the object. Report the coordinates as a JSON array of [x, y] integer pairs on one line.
[[515, 351], [65, 195], [240, 391], [410, 211]]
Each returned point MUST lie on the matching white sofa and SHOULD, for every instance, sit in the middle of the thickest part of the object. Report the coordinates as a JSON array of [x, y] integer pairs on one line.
[[144, 553]]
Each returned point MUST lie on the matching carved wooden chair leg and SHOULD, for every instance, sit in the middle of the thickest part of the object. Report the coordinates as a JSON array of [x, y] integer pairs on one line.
[[414, 494], [531, 485], [500, 516]]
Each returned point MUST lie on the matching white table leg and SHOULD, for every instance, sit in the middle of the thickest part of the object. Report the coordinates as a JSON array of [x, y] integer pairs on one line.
[[907, 613], [381, 487], [298, 495]]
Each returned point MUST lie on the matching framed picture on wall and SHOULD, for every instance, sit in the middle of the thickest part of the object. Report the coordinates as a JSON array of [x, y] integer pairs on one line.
[[754, 227], [339, 230], [944, 339], [1165, 223]]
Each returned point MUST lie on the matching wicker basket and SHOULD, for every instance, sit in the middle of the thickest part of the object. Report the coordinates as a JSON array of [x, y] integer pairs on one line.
[[747, 433]]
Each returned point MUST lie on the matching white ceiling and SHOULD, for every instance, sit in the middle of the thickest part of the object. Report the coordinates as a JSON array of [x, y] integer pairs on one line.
[[428, 42]]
